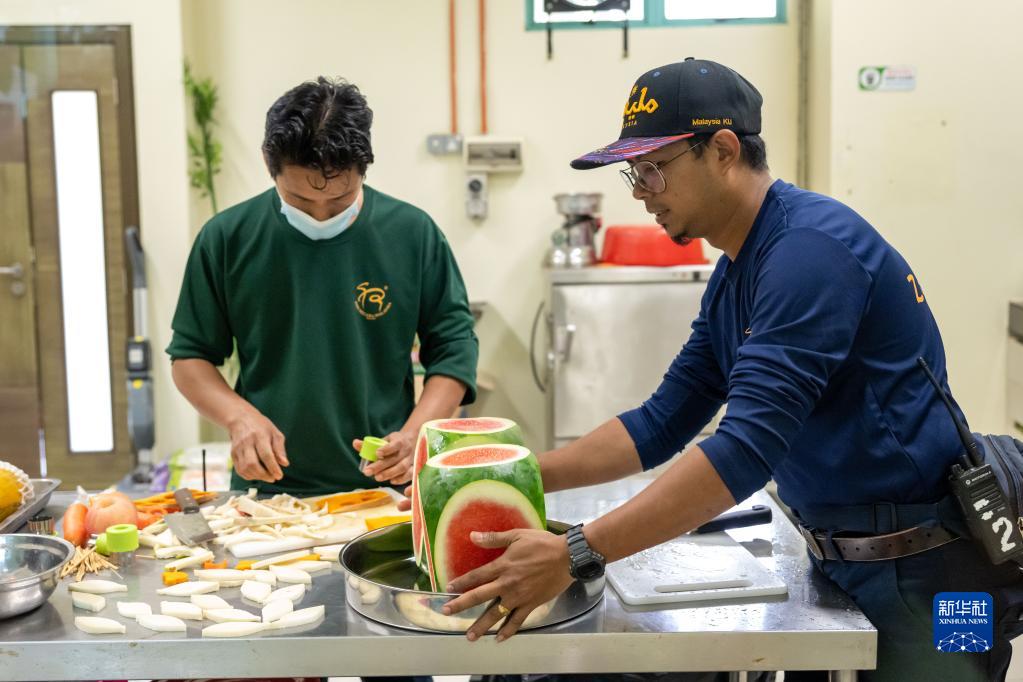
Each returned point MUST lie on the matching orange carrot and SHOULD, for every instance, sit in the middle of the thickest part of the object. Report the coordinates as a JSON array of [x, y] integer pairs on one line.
[[174, 577], [74, 524]]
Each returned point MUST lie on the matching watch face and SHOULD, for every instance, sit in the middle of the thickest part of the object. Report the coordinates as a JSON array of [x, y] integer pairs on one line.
[[589, 570]]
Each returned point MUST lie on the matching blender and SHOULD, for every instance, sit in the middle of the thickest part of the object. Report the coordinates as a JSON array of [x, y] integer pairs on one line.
[[572, 243]]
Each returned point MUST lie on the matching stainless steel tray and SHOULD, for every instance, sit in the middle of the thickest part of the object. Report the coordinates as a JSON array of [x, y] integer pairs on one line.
[[382, 582], [43, 487]]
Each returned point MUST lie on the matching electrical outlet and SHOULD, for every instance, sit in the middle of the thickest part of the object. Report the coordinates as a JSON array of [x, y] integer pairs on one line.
[[442, 144]]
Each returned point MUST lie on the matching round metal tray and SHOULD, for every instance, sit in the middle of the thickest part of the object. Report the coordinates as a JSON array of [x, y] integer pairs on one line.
[[383, 583]]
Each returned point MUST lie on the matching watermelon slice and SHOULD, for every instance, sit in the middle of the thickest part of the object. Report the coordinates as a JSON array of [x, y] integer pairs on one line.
[[442, 435], [486, 488]]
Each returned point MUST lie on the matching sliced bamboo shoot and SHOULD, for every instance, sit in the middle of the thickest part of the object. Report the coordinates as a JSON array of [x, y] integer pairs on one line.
[[133, 609], [88, 601], [299, 618], [189, 588], [92, 625], [242, 536], [230, 616], [287, 574], [283, 558], [291, 593], [220, 575], [254, 509], [256, 591], [311, 566], [149, 541], [263, 577], [329, 552], [97, 587], [167, 539], [276, 609], [198, 558], [161, 623], [232, 629], [175, 552], [209, 601], [154, 529], [181, 609]]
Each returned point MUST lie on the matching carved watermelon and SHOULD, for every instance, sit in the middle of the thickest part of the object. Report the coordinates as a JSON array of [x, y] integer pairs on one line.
[[442, 435], [486, 488]]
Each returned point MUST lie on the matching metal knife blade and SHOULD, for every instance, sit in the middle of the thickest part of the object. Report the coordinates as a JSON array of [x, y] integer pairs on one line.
[[738, 519], [188, 525]]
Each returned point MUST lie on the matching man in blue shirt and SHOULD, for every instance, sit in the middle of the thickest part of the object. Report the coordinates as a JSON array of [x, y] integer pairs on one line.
[[809, 330]]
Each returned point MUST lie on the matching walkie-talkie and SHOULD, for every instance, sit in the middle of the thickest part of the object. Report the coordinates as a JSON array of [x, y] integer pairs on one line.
[[988, 515]]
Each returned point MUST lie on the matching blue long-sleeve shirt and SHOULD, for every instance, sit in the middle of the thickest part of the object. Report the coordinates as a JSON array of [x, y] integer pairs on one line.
[[811, 337]]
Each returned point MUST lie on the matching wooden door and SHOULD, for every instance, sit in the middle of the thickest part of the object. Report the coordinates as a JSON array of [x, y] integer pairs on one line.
[[50, 71], [19, 390]]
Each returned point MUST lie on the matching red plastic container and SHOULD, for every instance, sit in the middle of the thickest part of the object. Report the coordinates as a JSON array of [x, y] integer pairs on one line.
[[648, 245]]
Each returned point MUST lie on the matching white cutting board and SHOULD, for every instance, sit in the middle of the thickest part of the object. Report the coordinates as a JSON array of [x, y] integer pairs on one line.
[[692, 568]]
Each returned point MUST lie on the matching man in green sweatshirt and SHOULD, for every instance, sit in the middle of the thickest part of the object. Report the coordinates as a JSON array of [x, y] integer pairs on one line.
[[323, 283]]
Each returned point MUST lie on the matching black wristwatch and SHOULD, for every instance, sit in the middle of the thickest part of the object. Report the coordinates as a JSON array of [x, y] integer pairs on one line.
[[585, 563]]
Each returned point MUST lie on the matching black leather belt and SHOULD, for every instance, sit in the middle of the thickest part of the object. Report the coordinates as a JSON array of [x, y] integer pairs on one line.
[[876, 547]]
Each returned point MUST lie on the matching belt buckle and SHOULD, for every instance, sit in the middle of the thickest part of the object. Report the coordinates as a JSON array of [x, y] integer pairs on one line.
[[811, 541]]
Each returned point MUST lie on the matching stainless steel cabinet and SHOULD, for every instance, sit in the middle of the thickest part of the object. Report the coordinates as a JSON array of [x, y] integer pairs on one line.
[[612, 332]]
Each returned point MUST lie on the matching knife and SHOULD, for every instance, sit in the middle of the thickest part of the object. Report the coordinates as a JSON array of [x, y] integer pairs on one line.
[[188, 525], [760, 513]]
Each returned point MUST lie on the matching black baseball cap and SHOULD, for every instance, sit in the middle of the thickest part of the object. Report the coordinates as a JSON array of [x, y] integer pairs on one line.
[[673, 102]]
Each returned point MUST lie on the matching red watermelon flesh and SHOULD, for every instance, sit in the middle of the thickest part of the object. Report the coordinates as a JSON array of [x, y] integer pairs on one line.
[[478, 455], [420, 461], [417, 504], [463, 555], [470, 425]]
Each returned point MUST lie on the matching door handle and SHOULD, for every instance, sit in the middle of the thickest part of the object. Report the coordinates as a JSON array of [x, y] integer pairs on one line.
[[565, 350], [14, 271]]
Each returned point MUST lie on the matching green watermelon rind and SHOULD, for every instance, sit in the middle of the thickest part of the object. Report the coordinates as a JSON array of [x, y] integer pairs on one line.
[[481, 489], [441, 440], [442, 483], [522, 474]]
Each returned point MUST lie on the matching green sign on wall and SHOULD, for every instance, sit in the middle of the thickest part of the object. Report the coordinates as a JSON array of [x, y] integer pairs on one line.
[[887, 78]]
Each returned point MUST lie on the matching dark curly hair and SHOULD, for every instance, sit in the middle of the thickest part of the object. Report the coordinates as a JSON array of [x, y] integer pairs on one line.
[[322, 124]]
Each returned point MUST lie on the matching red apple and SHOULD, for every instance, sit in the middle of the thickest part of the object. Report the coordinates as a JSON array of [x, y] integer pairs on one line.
[[109, 509]]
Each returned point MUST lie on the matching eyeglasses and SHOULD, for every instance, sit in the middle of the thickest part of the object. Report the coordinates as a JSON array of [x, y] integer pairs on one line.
[[648, 175]]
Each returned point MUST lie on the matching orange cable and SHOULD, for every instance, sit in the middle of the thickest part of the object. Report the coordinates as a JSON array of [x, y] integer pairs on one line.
[[483, 67], [452, 74]]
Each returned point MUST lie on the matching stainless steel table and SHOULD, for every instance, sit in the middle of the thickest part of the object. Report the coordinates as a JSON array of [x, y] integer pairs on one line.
[[815, 627]]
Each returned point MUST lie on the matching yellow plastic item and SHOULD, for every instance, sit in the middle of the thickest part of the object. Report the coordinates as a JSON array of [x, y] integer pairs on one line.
[[174, 577], [14, 485], [381, 521]]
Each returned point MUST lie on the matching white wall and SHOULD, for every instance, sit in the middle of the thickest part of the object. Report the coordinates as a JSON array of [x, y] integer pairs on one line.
[[936, 170], [397, 53], [159, 127]]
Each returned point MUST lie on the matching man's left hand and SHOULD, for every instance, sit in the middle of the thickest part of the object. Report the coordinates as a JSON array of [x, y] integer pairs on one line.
[[394, 460], [533, 570]]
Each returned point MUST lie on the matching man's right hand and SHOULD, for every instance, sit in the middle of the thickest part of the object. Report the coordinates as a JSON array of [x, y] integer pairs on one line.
[[257, 447]]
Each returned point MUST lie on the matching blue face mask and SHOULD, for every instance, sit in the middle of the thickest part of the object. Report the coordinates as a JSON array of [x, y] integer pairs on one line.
[[320, 229]]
